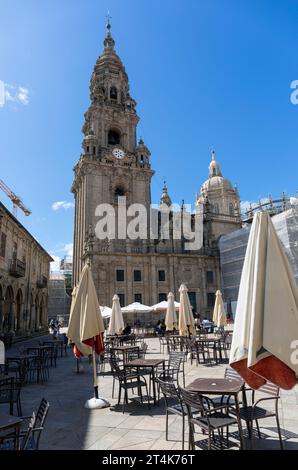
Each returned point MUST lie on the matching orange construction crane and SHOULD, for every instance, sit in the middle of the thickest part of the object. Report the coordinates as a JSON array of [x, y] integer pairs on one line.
[[15, 200]]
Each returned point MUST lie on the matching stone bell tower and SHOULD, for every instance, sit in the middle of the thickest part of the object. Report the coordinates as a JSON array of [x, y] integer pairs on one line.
[[113, 167]]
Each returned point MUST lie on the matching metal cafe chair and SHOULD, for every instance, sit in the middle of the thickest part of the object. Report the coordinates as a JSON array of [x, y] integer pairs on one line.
[[173, 404], [254, 412], [10, 393], [128, 381], [8, 442], [30, 436], [209, 418]]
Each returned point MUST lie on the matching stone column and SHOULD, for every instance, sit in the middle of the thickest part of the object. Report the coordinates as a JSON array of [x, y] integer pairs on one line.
[[153, 281], [1, 313], [11, 317], [171, 275]]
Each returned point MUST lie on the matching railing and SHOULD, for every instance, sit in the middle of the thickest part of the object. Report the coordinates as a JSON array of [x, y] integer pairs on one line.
[[42, 282], [270, 205], [17, 268]]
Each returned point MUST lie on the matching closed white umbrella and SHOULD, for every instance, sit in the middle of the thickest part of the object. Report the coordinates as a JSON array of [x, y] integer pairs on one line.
[[171, 317], [186, 320], [2, 353], [86, 327], [116, 325], [219, 314], [264, 345]]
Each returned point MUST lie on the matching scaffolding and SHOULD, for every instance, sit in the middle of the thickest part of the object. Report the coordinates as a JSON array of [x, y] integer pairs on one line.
[[232, 249]]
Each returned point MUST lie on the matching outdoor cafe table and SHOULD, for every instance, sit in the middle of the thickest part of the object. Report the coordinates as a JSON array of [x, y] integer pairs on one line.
[[148, 364], [212, 386], [58, 343], [22, 360], [125, 350], [11, 422], [215, 344], [39, 350]]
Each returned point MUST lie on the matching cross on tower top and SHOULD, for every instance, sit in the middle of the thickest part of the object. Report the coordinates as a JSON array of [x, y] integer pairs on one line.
[[109, 20]]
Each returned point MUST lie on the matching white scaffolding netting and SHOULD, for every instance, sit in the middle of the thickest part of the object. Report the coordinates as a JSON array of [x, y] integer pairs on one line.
[[233, 247]]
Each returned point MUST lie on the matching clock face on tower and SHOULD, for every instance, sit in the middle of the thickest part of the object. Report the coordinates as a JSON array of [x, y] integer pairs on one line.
[[118, 153]]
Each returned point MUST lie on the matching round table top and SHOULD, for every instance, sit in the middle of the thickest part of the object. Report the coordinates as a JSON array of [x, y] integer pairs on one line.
[[215, 385], [8, 421]]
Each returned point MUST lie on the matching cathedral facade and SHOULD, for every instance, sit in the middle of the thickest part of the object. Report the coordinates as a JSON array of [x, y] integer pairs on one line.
[[115, 169]]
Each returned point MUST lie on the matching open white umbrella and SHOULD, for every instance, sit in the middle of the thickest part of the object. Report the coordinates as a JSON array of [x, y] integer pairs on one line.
[[186, 320], [86, 327], [171, 316], [136, 307], [106, 312], [264, 345], [116, 325], [219, 314], [163, 306]]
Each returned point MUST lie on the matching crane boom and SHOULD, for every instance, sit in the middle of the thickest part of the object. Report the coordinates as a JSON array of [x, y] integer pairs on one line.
[[17, 202]]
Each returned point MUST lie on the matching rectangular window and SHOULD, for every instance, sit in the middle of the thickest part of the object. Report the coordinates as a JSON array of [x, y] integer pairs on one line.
[[162, 297], [121, 300], [137, 276], [161, 276], [3, 245], [210, 299], [209, 277], [14, 251], [120, 275], [138, 298]]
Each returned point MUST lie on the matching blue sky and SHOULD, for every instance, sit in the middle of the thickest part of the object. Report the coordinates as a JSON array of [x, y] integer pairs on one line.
[[203, 72]]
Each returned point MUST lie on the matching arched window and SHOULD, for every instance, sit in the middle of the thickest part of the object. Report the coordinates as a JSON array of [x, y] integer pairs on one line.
[[113, 138], [216, 208], [119, 192], [113, 93], [214, 171], [231, 209]]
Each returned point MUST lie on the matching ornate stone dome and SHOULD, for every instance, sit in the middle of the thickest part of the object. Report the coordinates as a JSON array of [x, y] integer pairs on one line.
[[216, 182]]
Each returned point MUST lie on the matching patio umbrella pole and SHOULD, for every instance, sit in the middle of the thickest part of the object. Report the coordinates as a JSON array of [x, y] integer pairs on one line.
[[96, 401], [95, 376]]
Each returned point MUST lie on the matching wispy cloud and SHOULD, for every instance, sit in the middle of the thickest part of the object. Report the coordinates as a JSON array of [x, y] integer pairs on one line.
[[55, 265], [244, 206], [13, 94], [58, 255], [56, 206], [68, 249]]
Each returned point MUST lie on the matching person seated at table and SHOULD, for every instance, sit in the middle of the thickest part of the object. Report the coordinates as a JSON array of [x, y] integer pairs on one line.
[[127, 330], [207, 324], [163, 327], [158, 328], [197, 322]]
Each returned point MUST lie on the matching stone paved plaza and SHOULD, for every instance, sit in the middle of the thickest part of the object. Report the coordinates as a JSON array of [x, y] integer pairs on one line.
[[71, 426]]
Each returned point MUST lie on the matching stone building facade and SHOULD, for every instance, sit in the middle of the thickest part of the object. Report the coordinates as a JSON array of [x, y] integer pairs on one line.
[[24, 273], [59, 300], [115, 169]]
